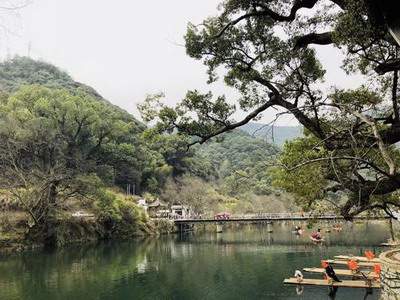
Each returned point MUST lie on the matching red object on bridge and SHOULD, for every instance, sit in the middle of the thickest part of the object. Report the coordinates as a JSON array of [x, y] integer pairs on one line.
[[222, 216]]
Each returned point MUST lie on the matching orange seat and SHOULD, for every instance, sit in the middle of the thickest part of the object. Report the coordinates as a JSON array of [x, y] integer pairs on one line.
[[353, 265], [369, 254], [377, 269]]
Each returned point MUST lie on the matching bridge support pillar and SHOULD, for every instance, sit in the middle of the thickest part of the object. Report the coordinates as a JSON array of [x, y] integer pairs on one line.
[[179, 227], [184, 227], [269, 227], [220, 227]]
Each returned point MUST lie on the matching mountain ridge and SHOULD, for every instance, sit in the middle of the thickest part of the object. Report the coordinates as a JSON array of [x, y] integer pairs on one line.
[[276, 135], [22, 70]]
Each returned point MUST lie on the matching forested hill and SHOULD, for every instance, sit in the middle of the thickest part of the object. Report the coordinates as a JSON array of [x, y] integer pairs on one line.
[[277, 135], [20, 71], [240, 160], [236, 150]]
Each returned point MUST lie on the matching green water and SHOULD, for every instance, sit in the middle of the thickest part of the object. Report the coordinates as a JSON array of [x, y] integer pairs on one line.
[[241, 263]]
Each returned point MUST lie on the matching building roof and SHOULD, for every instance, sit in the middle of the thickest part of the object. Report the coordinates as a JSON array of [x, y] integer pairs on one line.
[[157, 203]]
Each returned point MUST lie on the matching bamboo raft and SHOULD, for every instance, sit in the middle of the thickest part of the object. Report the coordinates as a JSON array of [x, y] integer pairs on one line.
[[357, 258], [341, 272], [344, 283], [368, 277], [390, 244], [344, 262]]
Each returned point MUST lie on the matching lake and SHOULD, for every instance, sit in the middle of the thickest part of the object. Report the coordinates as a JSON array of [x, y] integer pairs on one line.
[[245, 262]]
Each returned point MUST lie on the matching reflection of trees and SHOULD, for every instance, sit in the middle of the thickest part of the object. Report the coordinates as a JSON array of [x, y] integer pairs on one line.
[[71, 271]]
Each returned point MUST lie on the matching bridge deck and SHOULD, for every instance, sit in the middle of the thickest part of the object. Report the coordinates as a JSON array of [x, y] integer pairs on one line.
[[272, 218]]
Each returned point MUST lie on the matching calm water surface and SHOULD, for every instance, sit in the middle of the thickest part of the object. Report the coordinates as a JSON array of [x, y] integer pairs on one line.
[[244, 263]]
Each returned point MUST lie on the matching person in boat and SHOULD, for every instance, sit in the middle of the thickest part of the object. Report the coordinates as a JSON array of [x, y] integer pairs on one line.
[[316, 235], [329, 271]]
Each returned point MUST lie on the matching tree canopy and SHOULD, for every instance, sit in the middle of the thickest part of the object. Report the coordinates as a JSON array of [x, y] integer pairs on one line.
[[266, 50]]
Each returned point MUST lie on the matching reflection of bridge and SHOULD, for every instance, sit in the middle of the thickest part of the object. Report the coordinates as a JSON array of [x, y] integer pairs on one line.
[[268, 218]]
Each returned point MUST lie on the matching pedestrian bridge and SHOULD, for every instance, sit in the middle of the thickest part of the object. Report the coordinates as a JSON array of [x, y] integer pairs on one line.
[[186, 224], [270, 217]]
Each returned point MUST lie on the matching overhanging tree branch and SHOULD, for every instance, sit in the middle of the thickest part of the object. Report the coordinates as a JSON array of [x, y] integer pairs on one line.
[[389, 66], [232, 126], [324, 38], [267, 12]]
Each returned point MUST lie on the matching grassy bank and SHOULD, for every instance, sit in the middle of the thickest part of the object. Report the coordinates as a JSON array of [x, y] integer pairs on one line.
[[110, 215]]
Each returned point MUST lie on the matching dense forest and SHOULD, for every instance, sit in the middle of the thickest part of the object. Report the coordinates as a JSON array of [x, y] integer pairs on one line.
[[63, 148]]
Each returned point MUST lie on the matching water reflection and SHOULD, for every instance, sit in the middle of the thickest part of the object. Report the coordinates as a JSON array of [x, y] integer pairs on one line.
[[245, 263]]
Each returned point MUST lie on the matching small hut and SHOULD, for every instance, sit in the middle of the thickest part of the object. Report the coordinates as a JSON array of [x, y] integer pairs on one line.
[[157, 208]]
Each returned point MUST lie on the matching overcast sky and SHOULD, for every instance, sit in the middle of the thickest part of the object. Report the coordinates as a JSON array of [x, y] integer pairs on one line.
[[125, 49]]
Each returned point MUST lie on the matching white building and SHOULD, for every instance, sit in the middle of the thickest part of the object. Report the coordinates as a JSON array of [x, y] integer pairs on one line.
[[180, 211], [142, 203]]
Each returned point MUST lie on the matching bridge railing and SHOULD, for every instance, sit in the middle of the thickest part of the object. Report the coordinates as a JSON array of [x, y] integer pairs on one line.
[[270, 216], [283, 216]]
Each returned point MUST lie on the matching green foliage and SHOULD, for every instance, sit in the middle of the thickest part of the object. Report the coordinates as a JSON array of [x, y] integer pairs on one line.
[[207, 198], [357, 98], [241, 161], [25, 71], [357, 33], [305, 181], [76, 129], [97, 136], [56, 145], [231, 173], [119, 213], [20, 71]]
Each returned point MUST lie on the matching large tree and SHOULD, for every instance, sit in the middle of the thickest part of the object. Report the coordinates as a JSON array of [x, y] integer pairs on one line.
[[266, 50], [52, 141]]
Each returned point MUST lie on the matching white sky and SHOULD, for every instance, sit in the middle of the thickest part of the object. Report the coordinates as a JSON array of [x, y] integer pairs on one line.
[[126, 49]]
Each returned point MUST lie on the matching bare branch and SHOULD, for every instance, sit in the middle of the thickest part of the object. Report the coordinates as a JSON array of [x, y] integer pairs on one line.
[[382, 147]]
